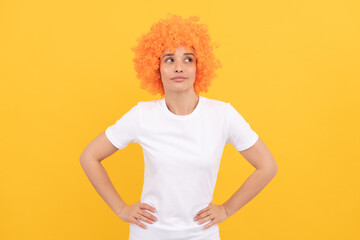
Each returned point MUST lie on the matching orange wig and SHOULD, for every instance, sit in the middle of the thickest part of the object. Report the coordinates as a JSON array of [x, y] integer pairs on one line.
[[171, 33]]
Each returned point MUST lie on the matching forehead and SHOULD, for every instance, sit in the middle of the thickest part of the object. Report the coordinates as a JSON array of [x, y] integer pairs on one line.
[[180, 50]]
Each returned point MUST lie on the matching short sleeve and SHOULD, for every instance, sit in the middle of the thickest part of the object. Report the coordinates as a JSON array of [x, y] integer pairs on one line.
[[240, 134], [125, 129]]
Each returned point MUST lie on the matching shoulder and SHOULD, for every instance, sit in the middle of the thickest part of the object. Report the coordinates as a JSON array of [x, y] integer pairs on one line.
[[214, 103], [149, 105]]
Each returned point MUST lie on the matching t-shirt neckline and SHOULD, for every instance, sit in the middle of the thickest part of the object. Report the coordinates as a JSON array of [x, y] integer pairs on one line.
[[175, 116]]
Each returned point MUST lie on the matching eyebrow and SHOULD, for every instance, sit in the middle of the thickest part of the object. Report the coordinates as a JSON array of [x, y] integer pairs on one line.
[[170, 54]]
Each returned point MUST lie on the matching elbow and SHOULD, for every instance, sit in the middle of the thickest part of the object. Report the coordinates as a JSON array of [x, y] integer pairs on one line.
[[274, 169], [87, 159], [82, 158], [82, 161], [82, 155], [270, 169], [270, 172]]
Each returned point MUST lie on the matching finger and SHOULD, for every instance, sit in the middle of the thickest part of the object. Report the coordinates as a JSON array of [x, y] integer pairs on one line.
[[144, 219], [147, 207], [210, 224], [203, 210], [205, 219], [148, 215], [134, 220], [202, 215]]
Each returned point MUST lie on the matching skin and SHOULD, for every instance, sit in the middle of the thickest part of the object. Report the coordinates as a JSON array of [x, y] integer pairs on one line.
[[259, 157], [181, 99]]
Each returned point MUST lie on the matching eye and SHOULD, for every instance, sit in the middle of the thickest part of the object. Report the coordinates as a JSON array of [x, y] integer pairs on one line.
[[190, 59]]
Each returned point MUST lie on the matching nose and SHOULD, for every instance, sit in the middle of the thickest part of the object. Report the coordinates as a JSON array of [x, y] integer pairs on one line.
[[178, 67]]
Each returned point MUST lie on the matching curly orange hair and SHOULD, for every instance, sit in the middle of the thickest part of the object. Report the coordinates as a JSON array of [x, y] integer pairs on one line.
[[171, 33]]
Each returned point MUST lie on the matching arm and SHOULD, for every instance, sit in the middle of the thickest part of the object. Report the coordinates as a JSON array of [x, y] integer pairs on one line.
[[260, 157], [90, 160]]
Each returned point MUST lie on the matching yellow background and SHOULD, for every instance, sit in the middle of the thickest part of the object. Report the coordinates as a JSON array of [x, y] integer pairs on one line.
[[291, 68]]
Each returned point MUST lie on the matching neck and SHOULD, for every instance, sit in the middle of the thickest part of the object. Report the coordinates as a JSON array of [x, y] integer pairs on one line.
[[182, 103]]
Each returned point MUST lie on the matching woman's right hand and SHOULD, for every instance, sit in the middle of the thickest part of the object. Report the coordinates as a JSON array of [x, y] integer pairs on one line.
[[131, 213]]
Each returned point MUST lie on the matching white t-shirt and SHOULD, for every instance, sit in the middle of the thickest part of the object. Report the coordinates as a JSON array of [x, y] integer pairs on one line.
[[182, 155]]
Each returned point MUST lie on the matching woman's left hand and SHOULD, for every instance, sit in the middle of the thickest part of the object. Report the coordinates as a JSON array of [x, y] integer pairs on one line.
[[216, 213]]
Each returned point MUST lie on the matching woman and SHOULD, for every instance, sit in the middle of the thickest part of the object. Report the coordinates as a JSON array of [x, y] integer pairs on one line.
[[182, 135]]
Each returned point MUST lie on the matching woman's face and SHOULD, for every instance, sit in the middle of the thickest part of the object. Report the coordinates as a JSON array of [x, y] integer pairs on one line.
[[180, 64]]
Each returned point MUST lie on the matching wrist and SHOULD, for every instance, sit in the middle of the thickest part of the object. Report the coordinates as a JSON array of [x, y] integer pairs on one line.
[[120, 208], [227, 210]]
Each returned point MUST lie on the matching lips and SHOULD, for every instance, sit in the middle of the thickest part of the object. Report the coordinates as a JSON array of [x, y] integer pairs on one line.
[[178, 78]]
